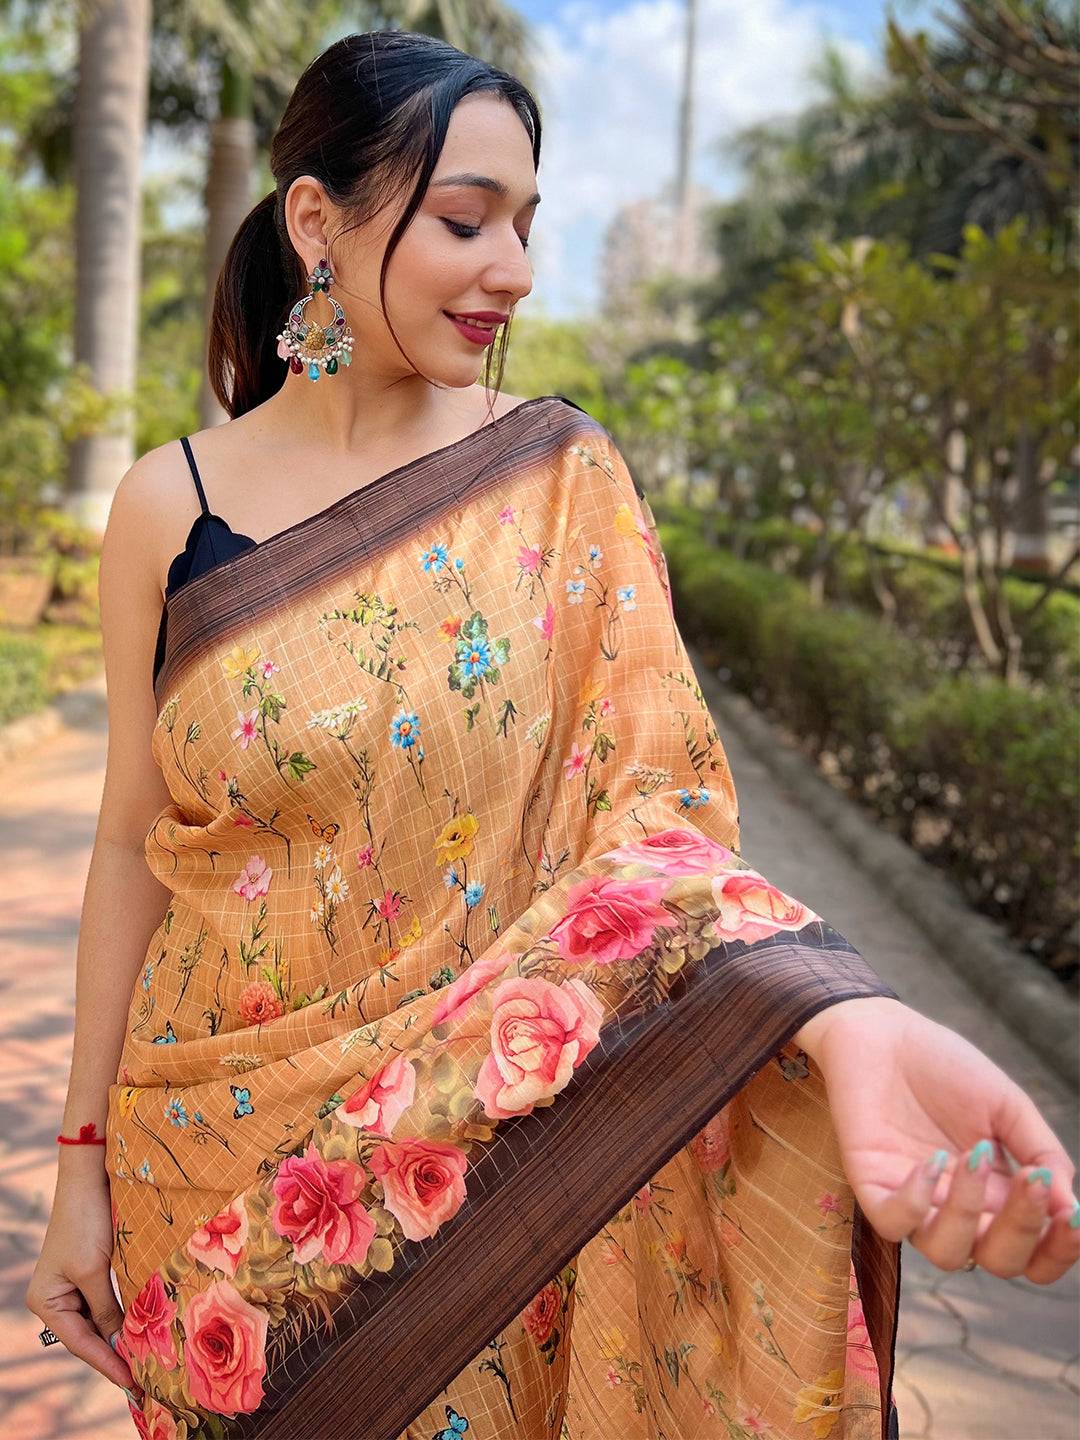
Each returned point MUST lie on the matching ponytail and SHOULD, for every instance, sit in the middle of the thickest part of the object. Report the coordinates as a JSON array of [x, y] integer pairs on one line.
[[252, 299]]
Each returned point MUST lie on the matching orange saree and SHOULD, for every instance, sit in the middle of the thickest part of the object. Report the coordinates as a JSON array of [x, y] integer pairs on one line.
[[458, 1095]]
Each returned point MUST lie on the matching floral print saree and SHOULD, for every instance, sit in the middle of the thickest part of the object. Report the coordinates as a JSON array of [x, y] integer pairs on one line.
[[458, 1095]]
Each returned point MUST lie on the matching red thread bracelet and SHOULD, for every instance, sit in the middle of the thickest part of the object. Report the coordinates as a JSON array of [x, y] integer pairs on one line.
[[87, 1136]]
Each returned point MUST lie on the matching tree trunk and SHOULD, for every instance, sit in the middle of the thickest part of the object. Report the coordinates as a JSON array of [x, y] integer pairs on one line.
[[230, 167], [110, 125], [1031, 536]]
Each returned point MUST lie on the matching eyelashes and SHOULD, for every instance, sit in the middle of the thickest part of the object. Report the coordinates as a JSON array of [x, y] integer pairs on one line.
[[466, 232]]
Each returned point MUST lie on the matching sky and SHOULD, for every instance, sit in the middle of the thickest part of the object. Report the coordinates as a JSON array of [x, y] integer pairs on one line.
[[608, 89]]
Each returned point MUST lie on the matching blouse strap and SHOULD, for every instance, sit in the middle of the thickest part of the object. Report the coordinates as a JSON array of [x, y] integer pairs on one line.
[[195, 474]]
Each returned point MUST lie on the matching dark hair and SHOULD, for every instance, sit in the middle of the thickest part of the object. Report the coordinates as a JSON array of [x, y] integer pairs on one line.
[[365, 115]]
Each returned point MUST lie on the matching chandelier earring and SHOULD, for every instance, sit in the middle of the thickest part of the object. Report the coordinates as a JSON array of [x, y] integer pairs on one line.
[[311, 344]]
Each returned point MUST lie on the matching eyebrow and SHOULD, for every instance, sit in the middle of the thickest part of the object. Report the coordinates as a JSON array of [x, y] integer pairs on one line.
[[485, 182]]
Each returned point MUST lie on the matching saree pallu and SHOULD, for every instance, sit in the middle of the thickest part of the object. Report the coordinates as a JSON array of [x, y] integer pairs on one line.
[[459, 1094]]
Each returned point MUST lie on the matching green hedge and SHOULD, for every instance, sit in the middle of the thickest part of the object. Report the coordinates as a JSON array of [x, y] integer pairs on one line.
[[980, 777], [927, 589], [23, 664]]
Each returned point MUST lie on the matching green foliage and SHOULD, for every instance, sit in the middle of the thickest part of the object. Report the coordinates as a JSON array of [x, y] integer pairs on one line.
[[23, 665], [980, 776]]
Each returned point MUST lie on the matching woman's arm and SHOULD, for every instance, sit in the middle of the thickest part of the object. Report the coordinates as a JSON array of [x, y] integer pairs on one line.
[[123, 903]]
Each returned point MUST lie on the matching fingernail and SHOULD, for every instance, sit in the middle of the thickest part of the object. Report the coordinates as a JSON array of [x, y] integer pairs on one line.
[[1074, 1218], [984, 1150], [1042, 1174], [936, 1164], [113, 1338]]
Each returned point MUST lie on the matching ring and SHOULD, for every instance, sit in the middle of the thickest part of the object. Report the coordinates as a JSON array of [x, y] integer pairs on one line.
[[968, 1264], [47, 1337]]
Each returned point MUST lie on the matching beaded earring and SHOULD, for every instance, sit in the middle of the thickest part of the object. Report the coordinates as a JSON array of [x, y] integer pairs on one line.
[[312, 344]]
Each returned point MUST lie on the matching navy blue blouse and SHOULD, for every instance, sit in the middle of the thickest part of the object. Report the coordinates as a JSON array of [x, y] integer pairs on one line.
[[209, 542]]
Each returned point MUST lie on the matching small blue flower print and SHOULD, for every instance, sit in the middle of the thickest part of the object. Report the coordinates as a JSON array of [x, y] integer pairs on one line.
[[693, 799], [198, 1118], [434, 559], [595, 554], [176, 1113], [459, 564], [145, 1173], [575, 589], [450, 878], [473, 894], [474, 656], [169, 1038], [405, 730], [625, 595], [148, 975]]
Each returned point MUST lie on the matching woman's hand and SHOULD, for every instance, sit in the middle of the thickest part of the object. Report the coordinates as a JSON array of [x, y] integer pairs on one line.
[[70, 1289], [900, 1088]]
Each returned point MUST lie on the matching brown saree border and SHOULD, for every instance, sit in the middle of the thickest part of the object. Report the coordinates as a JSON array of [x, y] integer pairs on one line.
[[359, 527], [551, 1180]]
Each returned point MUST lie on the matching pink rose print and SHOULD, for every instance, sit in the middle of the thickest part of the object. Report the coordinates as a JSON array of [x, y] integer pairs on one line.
[[751, 909], [159, 1425], [258, 1003], [860, 1352], [540, 1033], [247, 727], [423, 1183], [609, 920], [381, 1101], [254, 879], [455, 998], [147, 1328], [542, 1311], [220, 1242], [224, 1350], [675, 852], [319, 1210], [711, 1146]]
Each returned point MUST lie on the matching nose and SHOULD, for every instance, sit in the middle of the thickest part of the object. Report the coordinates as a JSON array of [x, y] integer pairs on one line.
[[510, 274]]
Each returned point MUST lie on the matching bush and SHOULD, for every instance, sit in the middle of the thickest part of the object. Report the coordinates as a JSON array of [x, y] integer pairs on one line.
[[22, 676], [979, 776]]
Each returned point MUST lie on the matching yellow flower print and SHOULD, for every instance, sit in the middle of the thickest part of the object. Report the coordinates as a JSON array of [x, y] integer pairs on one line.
[[626, 521], [125, 1100], [590, 691], [612, 1343], [820, 1402], [455, 839], [412, 934], [238, 660]]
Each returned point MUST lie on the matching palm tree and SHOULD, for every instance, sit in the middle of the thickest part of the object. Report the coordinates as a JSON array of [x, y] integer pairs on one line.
[[110, 122]]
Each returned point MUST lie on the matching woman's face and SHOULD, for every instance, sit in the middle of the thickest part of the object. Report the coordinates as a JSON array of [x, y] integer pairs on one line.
[[464, 251]]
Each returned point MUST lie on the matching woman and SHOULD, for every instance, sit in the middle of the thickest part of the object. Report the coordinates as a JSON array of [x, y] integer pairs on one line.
[[473, 1080]]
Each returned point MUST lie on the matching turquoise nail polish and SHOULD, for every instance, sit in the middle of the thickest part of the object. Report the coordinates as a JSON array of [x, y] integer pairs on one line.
[[1074, 1218], [936, 1163], [984, 1150], [1042, 1174]]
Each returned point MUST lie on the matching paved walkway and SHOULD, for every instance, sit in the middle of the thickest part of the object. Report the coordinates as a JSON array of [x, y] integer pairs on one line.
[[978, 1358]]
